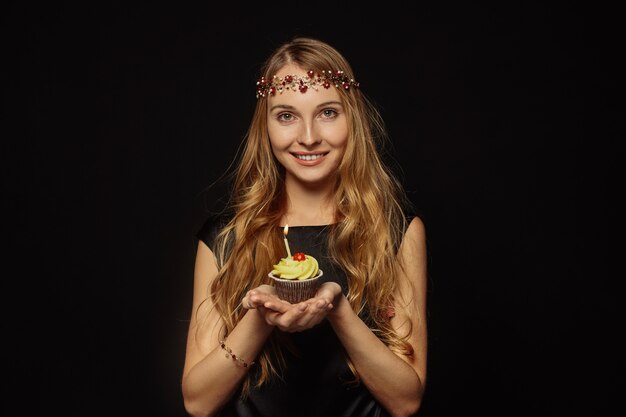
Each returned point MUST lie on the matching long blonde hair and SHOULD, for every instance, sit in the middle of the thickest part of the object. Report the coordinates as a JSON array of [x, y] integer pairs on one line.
[[370, 212]]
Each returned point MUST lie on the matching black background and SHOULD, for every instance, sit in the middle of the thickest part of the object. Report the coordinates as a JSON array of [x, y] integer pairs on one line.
[[504, 122]]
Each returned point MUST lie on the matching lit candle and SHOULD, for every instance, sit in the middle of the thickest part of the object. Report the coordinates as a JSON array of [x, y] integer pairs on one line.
[[285, 231]]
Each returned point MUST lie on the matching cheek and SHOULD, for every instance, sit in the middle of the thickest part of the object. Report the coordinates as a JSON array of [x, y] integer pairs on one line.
[[336, 136], [279, 138]]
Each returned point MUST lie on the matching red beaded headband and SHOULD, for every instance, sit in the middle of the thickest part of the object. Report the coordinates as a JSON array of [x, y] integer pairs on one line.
[[311, 80]]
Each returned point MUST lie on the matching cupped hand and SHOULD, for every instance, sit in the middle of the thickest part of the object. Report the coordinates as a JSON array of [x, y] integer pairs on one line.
[[301, 316], [257, 297]]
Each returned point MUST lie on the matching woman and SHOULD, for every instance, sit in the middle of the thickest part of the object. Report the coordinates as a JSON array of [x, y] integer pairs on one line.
[[358, 348]]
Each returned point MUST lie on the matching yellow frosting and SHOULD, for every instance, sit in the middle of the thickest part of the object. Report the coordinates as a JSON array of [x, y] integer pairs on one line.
[[287, 268]]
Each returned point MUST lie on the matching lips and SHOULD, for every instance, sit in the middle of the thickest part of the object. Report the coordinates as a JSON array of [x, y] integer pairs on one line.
[[309, 158]]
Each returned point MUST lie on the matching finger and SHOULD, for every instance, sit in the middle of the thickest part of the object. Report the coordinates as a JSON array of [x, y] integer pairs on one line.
[[249, 303], [317, 304], [312, 319], [286, 324], [271, 317], [259, 298], [290, 318], [279, 305]]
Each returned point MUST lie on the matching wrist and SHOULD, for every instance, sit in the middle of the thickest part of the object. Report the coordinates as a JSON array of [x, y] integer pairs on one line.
[[341, 307], [257, 319]]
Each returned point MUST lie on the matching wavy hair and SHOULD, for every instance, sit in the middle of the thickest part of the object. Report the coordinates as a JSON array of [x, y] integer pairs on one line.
[[370, 213]]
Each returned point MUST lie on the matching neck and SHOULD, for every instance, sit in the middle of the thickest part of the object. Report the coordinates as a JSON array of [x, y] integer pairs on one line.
[[308, 204]]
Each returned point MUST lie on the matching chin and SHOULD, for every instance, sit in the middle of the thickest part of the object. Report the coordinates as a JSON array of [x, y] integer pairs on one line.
[[314, 180]]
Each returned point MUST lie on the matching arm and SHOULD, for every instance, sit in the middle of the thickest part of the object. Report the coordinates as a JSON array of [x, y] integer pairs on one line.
[[210, 378], [396, 381]]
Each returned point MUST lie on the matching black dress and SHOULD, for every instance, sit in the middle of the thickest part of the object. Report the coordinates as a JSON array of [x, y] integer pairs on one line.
[[317, 381]]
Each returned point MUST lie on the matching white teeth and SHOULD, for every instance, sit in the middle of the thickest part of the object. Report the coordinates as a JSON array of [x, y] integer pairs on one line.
[[309, 157]]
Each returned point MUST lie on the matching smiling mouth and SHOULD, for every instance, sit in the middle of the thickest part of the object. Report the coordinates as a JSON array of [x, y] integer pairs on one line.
[[310, 157]]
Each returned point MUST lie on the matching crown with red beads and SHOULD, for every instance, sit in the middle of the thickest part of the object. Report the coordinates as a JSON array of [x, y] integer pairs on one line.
[[313, 80]]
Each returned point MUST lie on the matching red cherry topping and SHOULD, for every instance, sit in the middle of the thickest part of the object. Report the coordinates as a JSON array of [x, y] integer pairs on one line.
[[299, 256]]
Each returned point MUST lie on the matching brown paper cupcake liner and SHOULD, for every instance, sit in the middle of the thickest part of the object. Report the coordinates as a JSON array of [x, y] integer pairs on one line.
[[295, 290]]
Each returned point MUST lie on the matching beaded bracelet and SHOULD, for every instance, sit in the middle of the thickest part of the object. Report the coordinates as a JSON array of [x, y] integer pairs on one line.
[[229, 353]]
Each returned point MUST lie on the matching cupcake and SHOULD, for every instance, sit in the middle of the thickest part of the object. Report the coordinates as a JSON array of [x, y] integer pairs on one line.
[[296, 278]]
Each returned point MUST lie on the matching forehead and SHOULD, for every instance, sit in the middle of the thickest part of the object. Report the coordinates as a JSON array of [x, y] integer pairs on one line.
[[296, 98]]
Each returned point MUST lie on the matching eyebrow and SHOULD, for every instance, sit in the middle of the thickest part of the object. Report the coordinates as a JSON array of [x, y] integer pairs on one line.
[[288, 107]]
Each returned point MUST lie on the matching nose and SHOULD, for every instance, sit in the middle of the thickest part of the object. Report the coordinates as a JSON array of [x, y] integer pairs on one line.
[[309, 135]]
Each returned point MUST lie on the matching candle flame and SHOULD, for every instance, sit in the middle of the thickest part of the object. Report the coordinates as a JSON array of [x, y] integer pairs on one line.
[[286, 230]]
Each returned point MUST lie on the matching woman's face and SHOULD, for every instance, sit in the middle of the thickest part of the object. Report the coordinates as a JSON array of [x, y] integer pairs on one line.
[[308, 131]]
